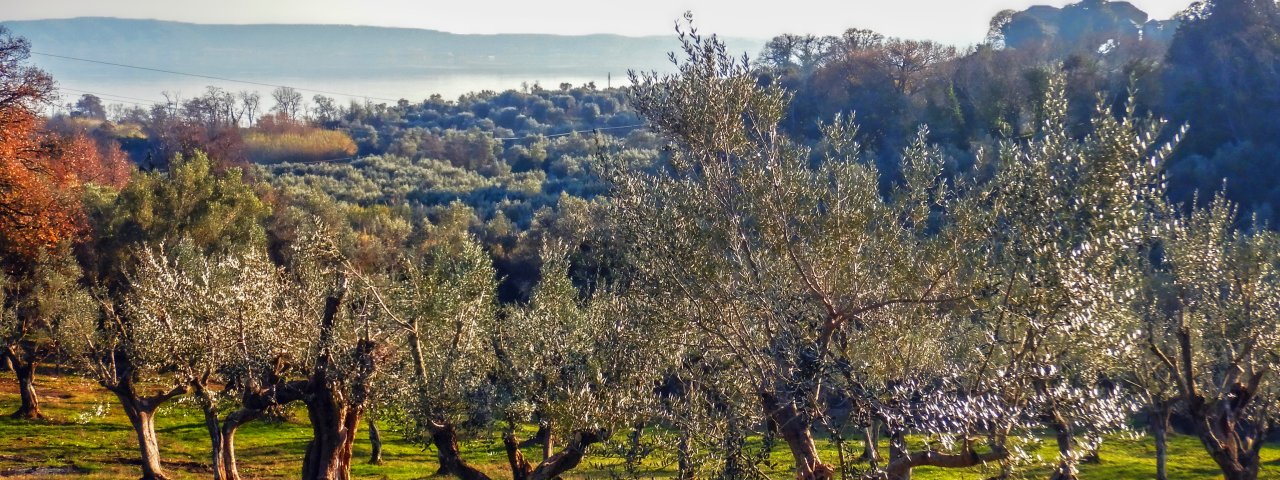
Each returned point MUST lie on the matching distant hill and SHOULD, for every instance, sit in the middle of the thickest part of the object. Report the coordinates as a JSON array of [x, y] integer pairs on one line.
[[338, 50], [1088, 22]]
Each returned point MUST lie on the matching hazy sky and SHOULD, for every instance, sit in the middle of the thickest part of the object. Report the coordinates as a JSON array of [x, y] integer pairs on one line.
[[954, 21]]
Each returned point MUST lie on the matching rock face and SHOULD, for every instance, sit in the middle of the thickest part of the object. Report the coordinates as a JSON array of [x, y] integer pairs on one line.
[[1090, 22]]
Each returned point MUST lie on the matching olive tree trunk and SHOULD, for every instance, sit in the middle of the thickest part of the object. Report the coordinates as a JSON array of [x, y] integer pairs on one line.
[[899, 454], [375, 443], [1233, 439], [333, 432], [1063, 435], [141, 413], [445, 438], [1230, 439], [797, 430], [30, 406], [22, 359], [871, 443], [227, 438], [1160, 413], [335, 396], [213, 425], [902, 460], [555, 465]]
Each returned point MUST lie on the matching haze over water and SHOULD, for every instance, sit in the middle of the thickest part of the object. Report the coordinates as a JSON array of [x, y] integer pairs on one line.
[[113, 87]]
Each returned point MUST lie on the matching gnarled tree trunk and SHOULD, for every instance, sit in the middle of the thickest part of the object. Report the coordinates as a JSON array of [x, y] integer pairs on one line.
[[335, 401], [537, 438], [445, 438], [871, 444], [548, 440], [214, 427], [796, 429], [254, 404], [899, 454], [333, 432], [23, 359], [1234, 444], [227, 438], [30, 406], [902, 460], [1066, 469], [556, 464], [1231, 439], [141, 412]]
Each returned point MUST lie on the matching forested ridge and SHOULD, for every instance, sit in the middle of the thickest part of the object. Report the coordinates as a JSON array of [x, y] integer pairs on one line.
[[878, 255]]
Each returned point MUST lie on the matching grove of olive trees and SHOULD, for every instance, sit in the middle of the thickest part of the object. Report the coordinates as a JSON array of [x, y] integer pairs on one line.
[[741, 290]]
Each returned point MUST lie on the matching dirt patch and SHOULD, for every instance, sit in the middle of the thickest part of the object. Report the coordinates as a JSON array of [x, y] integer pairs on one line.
[[40, 472]]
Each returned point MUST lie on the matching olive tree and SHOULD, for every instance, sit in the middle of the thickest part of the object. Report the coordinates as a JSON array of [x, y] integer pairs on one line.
[[438, 308], [214, 321], [766, 259], [32, 305], [584, 361], [1064, 212], [108, 348], [1142, 293], [216, 212], [333, 351], [1212, 329]]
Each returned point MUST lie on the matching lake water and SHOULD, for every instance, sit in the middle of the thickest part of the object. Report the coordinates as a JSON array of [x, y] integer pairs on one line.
[[145, 88]]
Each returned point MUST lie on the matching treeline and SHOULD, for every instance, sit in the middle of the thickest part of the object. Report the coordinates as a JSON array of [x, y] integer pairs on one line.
[[1214, 67]]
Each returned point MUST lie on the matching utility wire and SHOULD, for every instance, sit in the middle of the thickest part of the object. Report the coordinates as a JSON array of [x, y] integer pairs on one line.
[[113, 97], [210, 77]]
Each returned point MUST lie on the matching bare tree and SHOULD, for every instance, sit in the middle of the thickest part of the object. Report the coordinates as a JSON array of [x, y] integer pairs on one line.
[[288, 102], [326, 110], [804, 53], [908, 62], [249, 104]]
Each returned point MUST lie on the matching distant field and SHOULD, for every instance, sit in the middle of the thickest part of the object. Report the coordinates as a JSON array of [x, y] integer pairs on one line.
[[87, 436]]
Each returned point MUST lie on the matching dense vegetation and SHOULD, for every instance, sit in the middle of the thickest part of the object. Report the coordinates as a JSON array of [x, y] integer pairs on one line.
[[696, 271]]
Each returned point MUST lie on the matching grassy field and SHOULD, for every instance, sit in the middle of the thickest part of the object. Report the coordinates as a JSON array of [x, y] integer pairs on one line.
[[87, 436]]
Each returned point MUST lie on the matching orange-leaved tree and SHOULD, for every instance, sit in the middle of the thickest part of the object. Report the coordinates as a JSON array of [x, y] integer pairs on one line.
[[42, 179]]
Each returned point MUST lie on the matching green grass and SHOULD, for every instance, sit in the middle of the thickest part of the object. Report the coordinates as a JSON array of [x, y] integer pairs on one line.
[[87, 436]]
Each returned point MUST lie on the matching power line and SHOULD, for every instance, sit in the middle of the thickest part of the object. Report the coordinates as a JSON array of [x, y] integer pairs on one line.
[[114, 97], [210, 77]]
